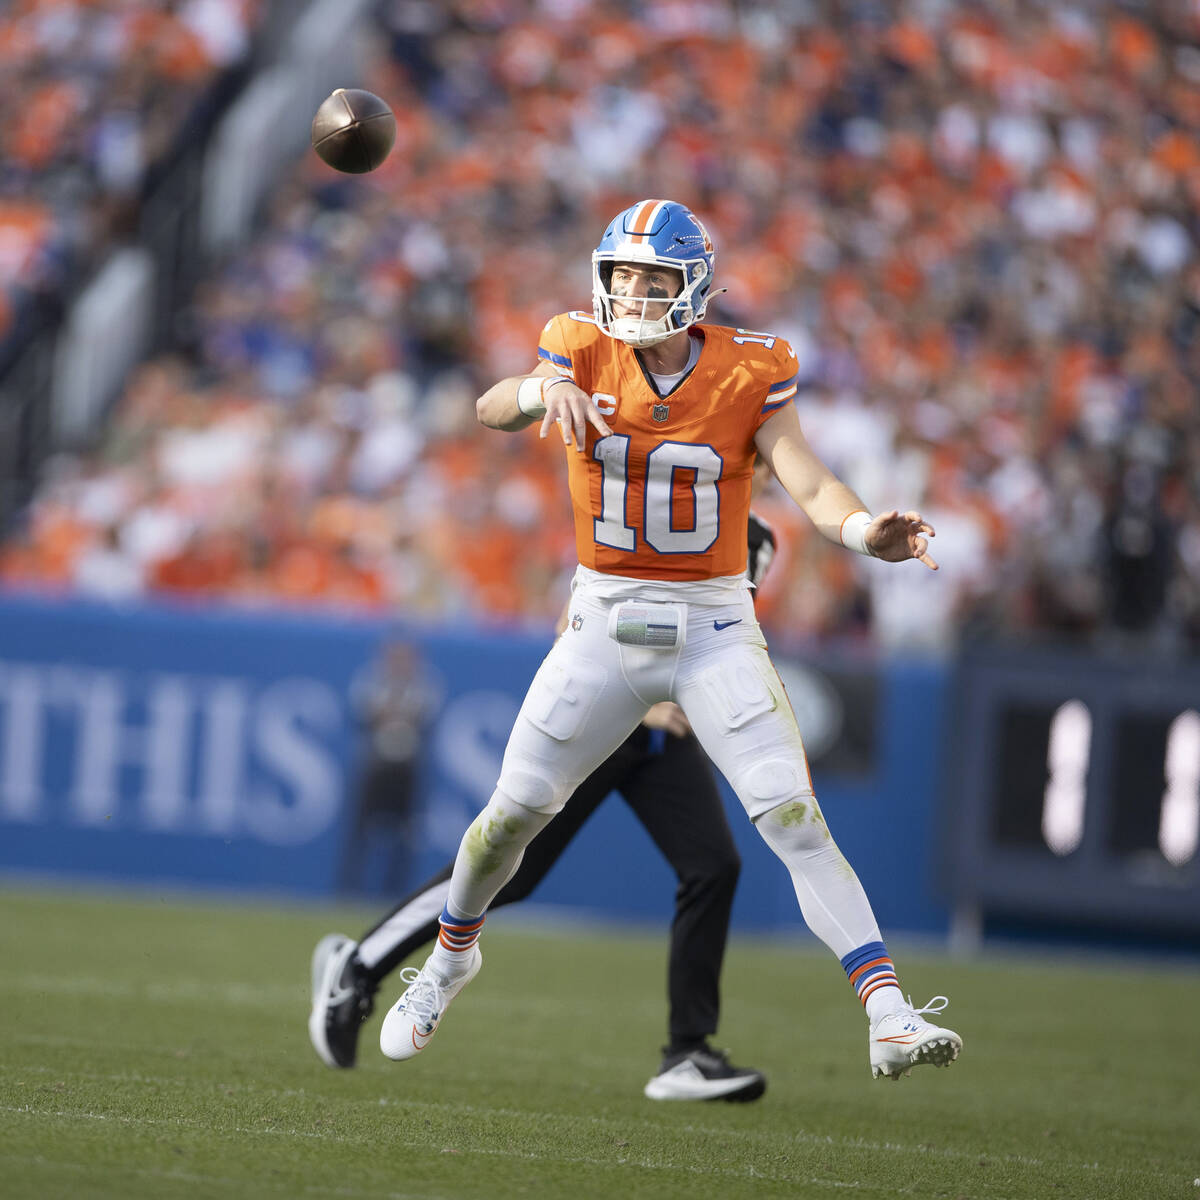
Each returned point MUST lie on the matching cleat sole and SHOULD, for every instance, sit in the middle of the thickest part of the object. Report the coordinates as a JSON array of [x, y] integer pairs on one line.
[[939, 1053], [731, 1091]]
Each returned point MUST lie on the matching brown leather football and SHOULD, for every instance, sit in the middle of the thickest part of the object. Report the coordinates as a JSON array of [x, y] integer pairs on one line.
[[353, 130]]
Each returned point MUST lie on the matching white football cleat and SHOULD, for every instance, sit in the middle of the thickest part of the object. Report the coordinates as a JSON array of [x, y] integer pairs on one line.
[[903, 1040], [413, 1020]]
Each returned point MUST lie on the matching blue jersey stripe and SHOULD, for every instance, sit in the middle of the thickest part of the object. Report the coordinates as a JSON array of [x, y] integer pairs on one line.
[[768, 408], [554, 358], [787, 383]]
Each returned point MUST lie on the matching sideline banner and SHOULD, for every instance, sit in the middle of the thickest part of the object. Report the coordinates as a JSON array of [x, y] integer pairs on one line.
[[313, 756]]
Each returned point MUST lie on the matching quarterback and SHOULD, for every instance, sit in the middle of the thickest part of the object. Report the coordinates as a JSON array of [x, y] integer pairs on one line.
[[662, 418]]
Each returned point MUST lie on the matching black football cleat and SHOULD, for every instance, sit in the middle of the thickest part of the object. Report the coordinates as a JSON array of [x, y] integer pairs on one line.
[[342, 999], [704, 1074]]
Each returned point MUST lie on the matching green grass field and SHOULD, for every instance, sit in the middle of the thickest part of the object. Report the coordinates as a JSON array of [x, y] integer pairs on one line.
[[158, 1048]]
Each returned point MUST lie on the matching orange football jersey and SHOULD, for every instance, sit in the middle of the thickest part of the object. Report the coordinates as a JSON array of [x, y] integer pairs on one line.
[[667, 494]]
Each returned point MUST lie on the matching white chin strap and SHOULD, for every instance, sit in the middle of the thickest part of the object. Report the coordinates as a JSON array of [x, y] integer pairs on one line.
[[637, 331]]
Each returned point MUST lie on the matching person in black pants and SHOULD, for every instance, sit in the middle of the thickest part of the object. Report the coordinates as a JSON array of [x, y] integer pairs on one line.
[[667, 781]]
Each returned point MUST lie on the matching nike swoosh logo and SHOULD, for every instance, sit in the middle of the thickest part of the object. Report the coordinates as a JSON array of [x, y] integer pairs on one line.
[[726, 624]]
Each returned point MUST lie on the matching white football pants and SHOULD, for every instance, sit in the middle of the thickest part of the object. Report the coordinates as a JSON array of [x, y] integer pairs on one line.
[[591, 691]]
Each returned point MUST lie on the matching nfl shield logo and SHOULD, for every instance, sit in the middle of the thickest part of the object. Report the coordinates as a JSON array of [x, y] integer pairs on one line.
[[576, 622], [660, 412]]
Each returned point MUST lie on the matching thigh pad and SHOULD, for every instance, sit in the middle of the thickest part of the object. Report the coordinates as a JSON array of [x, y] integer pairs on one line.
[[562, 695], [740, 687]]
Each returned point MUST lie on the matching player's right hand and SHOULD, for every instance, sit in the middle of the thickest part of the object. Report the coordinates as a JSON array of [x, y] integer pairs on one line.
[[669, 716], [572, 410]]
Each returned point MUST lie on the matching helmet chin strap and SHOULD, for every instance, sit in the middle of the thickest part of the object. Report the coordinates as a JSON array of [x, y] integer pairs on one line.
[[641, 331], [635, 331]]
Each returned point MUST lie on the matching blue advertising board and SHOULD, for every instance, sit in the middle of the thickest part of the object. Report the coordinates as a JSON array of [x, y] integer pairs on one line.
[[198, 747]]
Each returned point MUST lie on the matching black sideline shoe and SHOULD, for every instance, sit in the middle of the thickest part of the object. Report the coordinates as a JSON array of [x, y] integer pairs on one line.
[[342, 999], [704, 1074]]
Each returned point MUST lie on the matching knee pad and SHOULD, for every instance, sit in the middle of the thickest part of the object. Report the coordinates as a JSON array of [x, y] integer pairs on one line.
[[766, 786], [524, 785]]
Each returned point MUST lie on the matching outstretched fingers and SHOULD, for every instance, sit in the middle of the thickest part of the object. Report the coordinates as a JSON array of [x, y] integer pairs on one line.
[[897, 537], [572, 410], [596, 420], [920, 548], [917, 544], [918, 523]]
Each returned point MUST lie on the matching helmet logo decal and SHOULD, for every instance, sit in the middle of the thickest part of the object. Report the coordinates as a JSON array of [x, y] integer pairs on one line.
[[695, 220]]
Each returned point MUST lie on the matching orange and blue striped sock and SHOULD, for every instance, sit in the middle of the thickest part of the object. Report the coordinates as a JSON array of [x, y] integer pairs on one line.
[[456, 940], [872, 974]]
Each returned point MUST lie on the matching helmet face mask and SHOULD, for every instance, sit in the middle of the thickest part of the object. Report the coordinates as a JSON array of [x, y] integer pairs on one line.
[[656, 233], [639, 317]]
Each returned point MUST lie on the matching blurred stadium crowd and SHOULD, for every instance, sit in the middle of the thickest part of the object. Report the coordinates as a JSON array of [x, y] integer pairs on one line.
[[95, 94], [976, 223]]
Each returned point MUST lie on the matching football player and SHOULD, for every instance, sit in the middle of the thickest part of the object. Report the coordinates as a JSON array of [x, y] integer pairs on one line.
[[662, 418], [667, 781]]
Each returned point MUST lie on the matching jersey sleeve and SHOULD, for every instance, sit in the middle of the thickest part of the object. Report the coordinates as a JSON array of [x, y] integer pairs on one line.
[[556, 346], [782, 377]]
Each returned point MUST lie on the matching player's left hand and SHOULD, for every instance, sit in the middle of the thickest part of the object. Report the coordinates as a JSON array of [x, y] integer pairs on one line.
[[895, 536], [668, 716]]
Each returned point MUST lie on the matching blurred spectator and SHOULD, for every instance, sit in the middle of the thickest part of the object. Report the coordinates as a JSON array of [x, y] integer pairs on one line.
[[105, 571], [976, 223], [1137, 555], [395, 700]]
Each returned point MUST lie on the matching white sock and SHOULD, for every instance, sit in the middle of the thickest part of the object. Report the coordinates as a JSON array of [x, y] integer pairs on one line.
[[882, 1001]]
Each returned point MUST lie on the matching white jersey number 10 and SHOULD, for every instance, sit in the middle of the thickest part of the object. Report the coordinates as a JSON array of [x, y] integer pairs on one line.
[[612, 527]]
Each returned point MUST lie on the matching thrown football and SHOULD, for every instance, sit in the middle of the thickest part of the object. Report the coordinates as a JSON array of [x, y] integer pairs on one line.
[[353, 130]]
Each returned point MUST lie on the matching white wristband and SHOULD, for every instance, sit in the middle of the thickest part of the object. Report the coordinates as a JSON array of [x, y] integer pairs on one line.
[[854, 533], [529, 396]]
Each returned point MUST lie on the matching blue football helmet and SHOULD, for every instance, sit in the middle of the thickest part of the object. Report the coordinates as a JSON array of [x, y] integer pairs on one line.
[[665, 234]]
